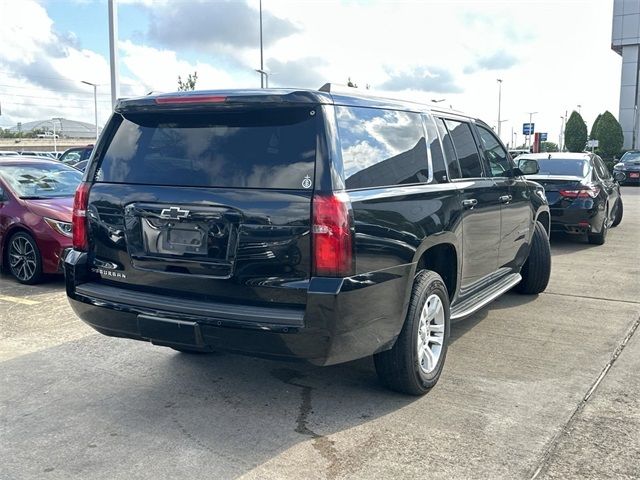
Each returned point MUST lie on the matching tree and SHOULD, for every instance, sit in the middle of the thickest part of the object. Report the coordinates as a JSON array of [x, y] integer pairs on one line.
[[351, 84], [575, 133], [548, 147], [594, 128], [609, 135], [189, 83]]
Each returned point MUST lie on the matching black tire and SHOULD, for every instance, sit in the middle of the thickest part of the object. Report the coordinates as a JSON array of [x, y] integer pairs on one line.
[[399, 368], [537, 269], [599, 238], [32, 274], [619, 212]]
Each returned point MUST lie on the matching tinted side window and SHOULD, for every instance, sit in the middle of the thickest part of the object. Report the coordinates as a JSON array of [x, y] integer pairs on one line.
[[466, 149], [496, 155], [382, 147], [449, 151]]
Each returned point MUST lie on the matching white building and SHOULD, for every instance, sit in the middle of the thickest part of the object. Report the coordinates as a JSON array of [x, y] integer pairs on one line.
[[625, 40]]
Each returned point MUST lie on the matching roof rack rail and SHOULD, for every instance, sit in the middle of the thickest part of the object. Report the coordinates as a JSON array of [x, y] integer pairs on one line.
[[341, 88]]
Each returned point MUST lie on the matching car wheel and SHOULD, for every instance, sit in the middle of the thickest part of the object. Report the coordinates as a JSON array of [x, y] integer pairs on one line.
[[537, 269], [600, 238], [23, 258], [619, 212], [415, 362]]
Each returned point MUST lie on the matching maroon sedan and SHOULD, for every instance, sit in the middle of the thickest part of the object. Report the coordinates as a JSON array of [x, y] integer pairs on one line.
[[36, 199]]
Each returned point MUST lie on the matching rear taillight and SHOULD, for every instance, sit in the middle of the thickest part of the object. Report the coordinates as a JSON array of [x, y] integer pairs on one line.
[[332, 238], [79, 218], [586, 192]]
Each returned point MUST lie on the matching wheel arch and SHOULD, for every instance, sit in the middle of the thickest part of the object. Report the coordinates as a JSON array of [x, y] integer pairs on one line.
[[441, 255], [544, 218]]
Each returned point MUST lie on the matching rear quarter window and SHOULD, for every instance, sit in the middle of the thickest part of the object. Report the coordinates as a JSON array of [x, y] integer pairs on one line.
[[382, 147], [259, 148]]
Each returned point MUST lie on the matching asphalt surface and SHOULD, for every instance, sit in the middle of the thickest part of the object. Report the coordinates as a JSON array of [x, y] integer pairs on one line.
[[534, 387]]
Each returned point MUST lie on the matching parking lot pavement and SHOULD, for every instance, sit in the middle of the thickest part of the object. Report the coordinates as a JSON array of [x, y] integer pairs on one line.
[[510, 404]]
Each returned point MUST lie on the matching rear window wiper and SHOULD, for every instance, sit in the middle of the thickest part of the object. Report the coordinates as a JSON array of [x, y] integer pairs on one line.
[[33, 197]]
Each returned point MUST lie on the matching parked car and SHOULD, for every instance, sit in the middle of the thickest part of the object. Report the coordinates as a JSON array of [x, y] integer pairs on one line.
[[629, 165], [76, 154], [82, 165], [517, 152], [583, 196], [30, 153], [36, 198], [301, 224]]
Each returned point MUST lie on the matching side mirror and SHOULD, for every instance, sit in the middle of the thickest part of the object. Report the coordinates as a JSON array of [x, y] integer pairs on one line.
[[619, 176], [528, 166]]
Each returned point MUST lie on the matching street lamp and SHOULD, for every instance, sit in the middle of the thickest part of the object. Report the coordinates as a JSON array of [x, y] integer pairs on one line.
[[95, 102], [264, 75], [531, 114], [55, 140], [579, 108], [499, 80]]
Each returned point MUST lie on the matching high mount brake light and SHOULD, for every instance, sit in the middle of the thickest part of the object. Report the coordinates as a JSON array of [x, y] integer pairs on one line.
[[190, 99], [79, 218], [332, 238], [586, 192]]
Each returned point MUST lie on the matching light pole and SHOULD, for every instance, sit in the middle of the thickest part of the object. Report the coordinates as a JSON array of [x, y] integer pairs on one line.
[[95, 102], [499, 80], [264, 75], [55, 140], [113, 52], [579, 109], [561, 139], [531, 114]]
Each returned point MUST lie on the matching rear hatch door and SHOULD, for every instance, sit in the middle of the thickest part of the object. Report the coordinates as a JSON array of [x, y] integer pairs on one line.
[[209, 205]]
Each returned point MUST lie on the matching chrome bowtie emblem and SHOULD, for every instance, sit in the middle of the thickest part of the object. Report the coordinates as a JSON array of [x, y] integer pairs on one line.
[[174, 213]]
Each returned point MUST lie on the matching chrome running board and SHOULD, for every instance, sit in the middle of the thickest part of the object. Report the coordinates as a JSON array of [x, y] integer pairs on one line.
[[473, 304]]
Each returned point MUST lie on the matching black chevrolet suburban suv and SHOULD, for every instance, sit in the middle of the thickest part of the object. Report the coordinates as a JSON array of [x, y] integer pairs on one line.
[[296, 224]]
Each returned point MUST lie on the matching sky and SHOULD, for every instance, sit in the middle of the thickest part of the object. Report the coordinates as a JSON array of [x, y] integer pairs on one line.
[[550, 55]]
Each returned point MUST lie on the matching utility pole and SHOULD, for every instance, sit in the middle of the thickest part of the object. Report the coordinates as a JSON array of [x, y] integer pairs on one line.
[[531, 114], [561, 139], [113, 52], [95, 103], [261, 52], [499, 106]]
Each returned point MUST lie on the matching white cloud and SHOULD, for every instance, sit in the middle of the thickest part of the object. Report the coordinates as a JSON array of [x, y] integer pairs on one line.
[[551, 55]]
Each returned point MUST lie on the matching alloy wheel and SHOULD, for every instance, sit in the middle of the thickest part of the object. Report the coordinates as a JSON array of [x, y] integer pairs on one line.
[[22, 258], [430, 334]]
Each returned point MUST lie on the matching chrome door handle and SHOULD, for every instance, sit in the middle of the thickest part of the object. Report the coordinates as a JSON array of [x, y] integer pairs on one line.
[[506, 198], [469, 204]]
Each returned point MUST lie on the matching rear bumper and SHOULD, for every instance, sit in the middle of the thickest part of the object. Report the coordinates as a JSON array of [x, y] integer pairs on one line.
[[344, 319], [576, 220]]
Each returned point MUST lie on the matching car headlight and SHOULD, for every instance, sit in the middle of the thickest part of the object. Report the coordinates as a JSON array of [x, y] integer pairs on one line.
[[63, 228], [618, 166]]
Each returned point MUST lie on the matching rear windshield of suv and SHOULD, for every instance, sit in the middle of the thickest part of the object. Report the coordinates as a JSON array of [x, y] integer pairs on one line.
[[260, 148], [557, 166]]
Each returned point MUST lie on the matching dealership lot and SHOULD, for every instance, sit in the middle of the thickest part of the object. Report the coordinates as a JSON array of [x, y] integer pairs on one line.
[[543, 387]]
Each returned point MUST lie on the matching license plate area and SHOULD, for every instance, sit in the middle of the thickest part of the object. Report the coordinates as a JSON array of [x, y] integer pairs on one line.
[[634, 175], [203, 242]]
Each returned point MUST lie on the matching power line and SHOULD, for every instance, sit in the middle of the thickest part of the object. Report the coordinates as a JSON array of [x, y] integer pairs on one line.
[[55, 98], [59, 107], [57, 78], [57, 90]]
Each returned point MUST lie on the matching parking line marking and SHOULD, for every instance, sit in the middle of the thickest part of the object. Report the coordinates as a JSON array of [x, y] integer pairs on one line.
[[22, 301]]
